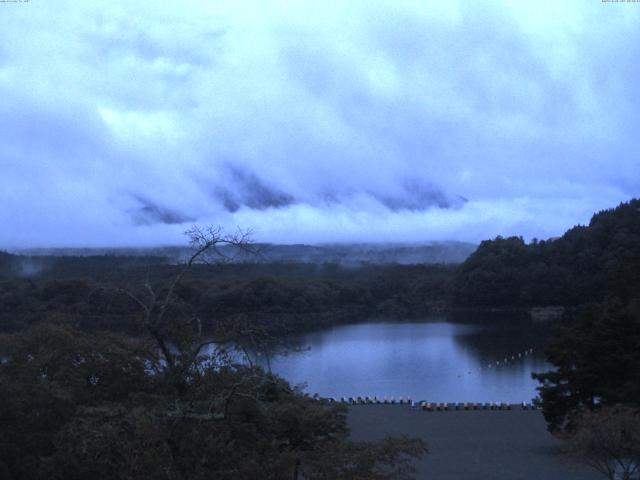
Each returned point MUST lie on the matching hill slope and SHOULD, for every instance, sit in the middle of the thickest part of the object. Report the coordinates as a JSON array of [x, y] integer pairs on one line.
[[588, 263]]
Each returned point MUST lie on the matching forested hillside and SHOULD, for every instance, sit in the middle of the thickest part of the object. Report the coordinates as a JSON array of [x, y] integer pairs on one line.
[[282, 297], [588, 263], [80, 404]]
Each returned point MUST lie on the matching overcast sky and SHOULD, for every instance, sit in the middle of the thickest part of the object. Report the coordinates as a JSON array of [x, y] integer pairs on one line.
[[123, 123]]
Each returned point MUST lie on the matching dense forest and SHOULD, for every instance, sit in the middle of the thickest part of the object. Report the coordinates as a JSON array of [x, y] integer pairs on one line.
[[103, 376], [80, 402], [586, 264], [597, 364], [285, 297], [593, 269]]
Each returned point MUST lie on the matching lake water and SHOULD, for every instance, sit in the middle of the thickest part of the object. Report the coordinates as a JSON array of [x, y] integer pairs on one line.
[[433, 360]]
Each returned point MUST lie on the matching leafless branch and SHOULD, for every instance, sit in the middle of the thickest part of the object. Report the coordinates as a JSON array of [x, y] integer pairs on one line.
[[203, 241]]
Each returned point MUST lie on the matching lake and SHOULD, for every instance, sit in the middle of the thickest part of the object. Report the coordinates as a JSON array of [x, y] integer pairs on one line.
[[433, 360]]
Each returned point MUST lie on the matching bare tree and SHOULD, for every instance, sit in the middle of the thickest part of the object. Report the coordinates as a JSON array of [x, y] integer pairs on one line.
[[169, 330], [609, 441]]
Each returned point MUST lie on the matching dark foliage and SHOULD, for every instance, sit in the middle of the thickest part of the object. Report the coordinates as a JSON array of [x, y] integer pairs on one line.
[[586, 264], [281, 297], [594, 269], [78, 405], [597, 364], [609, 441], [171, 402]]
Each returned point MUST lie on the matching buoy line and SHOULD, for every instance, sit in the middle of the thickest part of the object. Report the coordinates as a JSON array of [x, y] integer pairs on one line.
[[427, 406], [507, 360]]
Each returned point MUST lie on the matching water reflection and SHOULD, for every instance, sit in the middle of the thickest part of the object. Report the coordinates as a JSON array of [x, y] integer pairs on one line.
[[435, 360]]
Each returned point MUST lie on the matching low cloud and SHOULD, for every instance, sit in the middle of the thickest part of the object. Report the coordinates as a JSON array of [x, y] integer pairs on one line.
[[149, 213], [244, 189], [350, 121]]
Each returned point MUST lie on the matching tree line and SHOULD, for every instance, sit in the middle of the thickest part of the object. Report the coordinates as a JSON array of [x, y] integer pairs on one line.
[[80, 404], [586, 264], [592, 396], [102, 375], [282, 297]]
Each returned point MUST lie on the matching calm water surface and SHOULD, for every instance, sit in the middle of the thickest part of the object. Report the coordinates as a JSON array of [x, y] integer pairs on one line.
[[433, 360]]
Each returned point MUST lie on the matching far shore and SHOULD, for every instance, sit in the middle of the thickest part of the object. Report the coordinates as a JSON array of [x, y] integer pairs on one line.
[[475, 445]]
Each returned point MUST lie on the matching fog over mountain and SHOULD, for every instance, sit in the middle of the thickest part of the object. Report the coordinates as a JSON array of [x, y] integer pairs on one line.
[[124, 123], [31, 260]]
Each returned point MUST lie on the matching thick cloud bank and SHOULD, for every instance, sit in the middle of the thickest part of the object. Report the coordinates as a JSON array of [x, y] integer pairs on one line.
[[124, 122]]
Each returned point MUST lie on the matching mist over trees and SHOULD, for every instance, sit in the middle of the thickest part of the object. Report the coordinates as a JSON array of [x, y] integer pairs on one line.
[[82, 370], [79, 404], [284, 297]]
